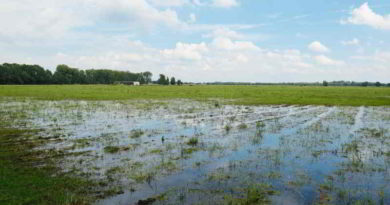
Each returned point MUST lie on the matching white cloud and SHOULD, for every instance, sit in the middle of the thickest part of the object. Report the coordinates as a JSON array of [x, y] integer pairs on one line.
[[102, 34], [234, 61], [242, 58], [378, 59], [29, 20], [373, 67], [197, 3], [200, 62], [56, 18], [382, 57], [318, 47], [324, 60], [168, 3], [192, 18], [353, 42], [228, 44], [225, 3], [186, 51], [364, 15], [138, 12], [225, 33]]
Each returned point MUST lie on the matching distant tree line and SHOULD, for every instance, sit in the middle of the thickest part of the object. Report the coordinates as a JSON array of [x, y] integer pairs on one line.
[[352, 83], [324, 83], [24, 74], [35, 74]]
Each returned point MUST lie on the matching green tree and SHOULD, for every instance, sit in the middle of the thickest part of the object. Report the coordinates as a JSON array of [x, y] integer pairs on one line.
[[67, 75], [166, 82], [378, 84], [173, 81], [161, 80], [179, 82], [24, 74], [34, 74], [325, 83], [146, 77]]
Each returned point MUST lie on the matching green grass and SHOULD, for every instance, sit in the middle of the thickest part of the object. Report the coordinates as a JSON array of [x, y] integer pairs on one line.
[[136, 133], [248, 95], [22, 181], [33, 176], [193, 141], [111, 149], [255, 194]]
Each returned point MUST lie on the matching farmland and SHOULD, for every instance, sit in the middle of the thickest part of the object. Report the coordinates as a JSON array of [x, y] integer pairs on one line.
[[248, 95], [100, 144]]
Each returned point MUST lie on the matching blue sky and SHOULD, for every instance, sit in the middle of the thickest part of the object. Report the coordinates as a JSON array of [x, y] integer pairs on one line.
[[204, 40]]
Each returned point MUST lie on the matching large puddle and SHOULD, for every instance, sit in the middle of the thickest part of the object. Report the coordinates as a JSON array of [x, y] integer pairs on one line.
[[190, 152]]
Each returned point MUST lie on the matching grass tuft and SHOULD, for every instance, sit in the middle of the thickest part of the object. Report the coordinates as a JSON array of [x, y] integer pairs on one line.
[[136, 133], [193, 141], [112, 149]]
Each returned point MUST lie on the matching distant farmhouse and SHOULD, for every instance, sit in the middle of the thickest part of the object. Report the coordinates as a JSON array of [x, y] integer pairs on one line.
[[135, 83]]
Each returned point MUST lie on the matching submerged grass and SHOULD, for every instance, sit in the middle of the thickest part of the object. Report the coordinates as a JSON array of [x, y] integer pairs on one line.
[[249, 95], [23, 183], [111, 149], [193, 141], [254, 194], [136, 133]]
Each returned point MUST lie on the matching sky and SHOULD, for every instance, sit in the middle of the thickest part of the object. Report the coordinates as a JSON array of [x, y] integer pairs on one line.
[[204, 40]]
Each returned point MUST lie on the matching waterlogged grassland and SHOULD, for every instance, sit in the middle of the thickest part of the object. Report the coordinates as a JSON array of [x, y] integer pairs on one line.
[[248, 95], [192, 152]]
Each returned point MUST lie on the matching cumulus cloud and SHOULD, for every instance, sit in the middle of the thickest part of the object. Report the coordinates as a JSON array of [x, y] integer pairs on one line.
[[234, 32], [230, 61], [374, 67], [102, 34], [382, 57], [317, 46], [353, 42], [200, 62], [228, 44], [225, 3], [56, 18], [324, 60], [186, 51], [29, 20], [224, 32], [138, 12], [364, 15]]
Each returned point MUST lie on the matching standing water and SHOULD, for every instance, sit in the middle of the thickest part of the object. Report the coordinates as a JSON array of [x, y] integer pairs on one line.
[[190, 152]]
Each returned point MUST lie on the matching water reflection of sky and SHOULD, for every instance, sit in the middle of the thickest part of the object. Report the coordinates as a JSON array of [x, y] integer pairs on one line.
[[304, 146]]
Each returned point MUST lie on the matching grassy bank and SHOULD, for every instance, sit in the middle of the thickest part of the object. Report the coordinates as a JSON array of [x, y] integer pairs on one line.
[[32, 176], [26, 176], [248, 95]]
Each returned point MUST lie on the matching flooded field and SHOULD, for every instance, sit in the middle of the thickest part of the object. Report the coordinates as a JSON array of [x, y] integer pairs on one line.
[[190, 152]]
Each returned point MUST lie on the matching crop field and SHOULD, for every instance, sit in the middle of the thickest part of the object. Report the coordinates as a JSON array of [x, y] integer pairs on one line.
[[82, 148]]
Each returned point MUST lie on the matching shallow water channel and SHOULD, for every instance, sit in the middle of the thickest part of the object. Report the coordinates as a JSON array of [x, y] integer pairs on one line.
[[190, 152]]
